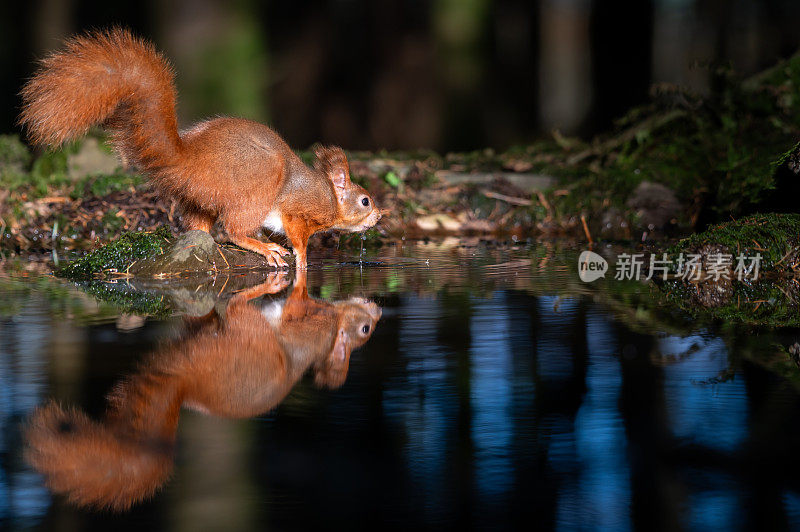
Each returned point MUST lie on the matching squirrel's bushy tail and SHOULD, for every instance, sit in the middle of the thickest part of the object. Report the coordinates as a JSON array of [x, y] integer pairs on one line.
[[110, 78], [94, 464]]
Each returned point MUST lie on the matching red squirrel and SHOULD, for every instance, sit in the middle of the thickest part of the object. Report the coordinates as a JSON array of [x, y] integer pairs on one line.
[[238, 365], [228, 170]]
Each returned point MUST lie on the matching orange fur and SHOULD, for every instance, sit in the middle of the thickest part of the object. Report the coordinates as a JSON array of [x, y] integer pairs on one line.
[[239, 365], [228, 170]]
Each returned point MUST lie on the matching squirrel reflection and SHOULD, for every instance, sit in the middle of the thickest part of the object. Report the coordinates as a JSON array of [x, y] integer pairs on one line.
[[239, 365]]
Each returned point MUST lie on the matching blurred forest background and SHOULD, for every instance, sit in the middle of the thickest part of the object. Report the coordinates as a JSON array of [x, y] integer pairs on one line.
[[405, 74]]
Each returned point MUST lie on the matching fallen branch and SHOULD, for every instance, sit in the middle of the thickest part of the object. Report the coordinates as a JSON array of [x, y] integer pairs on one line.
[[508, 199]]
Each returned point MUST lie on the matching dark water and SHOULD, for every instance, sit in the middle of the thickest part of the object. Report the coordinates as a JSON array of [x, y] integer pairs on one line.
[[496, 391]]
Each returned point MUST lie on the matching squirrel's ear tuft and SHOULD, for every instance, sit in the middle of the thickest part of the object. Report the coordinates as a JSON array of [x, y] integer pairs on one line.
[[332, 161]]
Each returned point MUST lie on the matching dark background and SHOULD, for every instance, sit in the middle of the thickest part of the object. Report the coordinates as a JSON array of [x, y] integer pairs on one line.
[[404, 74]]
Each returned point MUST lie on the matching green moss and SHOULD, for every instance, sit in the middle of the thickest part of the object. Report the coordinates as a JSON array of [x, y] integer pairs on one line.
[[785, 157], [770, 300], [129, 301], [717, 153], [13, 153], [111, 222], [50, 163], [117, 255], [774, 236], [48, 172], [105, 184]]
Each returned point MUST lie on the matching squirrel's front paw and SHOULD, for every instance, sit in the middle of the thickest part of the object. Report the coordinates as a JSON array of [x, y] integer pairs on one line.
[[274, 259], [280, 249], [274, 283], [269, 250], [273, 253]]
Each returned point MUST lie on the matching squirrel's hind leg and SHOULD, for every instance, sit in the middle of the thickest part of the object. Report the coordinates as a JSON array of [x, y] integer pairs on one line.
[[193, 219]]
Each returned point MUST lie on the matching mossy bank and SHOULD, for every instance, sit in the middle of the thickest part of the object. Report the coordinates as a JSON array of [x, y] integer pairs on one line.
[[747, 272], [159, 254]]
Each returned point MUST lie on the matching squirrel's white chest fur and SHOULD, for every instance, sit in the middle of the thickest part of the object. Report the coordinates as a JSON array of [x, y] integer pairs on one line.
[[273, 312], [273, 222]]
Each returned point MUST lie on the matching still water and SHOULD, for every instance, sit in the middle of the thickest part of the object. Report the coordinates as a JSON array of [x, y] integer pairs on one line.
[[435, 385]]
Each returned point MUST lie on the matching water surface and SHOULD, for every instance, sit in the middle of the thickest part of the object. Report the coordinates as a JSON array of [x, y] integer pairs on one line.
[[494, 389]]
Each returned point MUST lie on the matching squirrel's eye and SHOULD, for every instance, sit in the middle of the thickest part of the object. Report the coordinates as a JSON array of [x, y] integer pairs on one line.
[[365, 201], [365, 329]]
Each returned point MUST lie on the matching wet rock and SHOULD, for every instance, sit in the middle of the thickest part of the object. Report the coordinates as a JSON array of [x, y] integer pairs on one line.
[[192, 302], [129, 322], [196, 252], [794, 353], [655, 205]]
